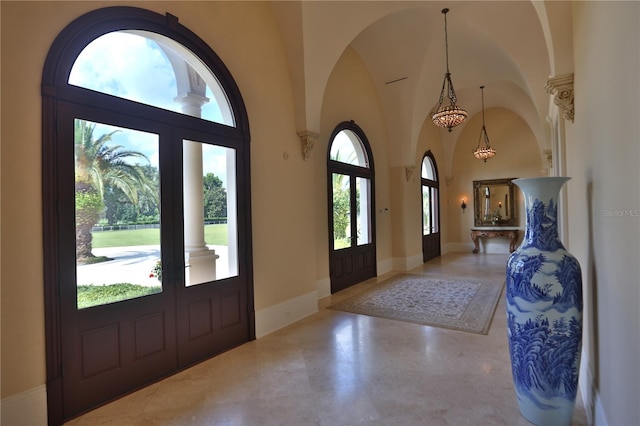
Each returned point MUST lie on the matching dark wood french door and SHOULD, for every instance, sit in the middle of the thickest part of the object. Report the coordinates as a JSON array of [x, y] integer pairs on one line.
[[353, 259], [352, 256], [194, 311], [430, 208]]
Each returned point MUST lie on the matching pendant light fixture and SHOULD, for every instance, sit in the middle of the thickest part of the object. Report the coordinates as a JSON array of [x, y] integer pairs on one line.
[[483, 152], [447, 116]]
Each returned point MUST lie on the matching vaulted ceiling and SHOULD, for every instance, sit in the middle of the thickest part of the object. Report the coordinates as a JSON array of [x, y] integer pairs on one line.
[[512, 48]]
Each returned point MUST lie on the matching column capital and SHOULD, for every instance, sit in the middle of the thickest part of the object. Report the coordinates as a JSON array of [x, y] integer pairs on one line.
[[191, 99], [562, 90], [307, 139]]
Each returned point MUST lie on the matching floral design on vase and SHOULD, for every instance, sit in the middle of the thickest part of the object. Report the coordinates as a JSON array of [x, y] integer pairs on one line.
[[544, 311]]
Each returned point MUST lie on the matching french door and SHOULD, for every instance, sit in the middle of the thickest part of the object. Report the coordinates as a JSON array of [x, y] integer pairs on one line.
[[110, 348], [199, 305], [430, 208], [352, 256]]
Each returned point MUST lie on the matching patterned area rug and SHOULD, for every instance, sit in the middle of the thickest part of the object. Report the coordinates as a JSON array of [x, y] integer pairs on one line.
[[455, 304]]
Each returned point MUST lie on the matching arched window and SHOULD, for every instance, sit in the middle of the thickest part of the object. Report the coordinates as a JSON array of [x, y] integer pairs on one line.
[[146, 206], [347, 147], [351, 207], [430, 207], [151, 69]]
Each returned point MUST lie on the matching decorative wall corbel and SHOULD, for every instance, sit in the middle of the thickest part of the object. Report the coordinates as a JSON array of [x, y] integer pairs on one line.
[[408, 172], [562, 90], [307, 140], [548, 155]]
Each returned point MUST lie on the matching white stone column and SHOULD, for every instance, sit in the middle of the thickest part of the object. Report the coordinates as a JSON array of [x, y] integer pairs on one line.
[[193, 202], [200, 261]]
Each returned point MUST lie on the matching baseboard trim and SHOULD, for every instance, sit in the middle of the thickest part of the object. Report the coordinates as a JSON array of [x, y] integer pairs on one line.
[[406, 263], [385, 266], [285, 313], [323, 287], [414, 261], [26, 408], [488, 246], [457, 248]]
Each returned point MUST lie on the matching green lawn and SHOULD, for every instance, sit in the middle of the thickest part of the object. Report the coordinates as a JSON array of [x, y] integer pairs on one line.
[[94, 295], [213, 234], [341, 243]]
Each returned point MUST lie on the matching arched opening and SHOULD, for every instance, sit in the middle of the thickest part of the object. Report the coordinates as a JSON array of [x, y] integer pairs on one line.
[[351, 192], [146, 201]]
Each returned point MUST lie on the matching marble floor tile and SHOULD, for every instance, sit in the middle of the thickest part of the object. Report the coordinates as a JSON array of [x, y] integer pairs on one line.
[[336, 369]]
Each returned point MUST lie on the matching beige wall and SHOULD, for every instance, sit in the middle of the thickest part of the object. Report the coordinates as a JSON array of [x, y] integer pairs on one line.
[[23, 362], [603, 153], [289, 195]]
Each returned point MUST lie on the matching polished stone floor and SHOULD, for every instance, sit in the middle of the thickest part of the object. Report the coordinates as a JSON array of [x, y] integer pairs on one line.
[[336, 368]]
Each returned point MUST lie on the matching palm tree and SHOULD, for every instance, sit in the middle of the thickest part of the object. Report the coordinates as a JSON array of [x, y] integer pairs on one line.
[[98, 165]]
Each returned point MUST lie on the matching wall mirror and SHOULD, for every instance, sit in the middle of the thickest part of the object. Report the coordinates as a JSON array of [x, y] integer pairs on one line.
[[494, 202]]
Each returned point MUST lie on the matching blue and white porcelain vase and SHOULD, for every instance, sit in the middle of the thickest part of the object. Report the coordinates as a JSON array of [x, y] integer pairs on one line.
[[544, 310]]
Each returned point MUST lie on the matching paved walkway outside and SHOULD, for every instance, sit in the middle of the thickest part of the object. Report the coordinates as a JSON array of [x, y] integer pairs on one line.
[[133, 265]]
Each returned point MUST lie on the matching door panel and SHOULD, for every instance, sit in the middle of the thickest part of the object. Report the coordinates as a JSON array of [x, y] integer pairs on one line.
[[353, 253], [210, 321], [113, 345], [351, 266], [104, 358], [213, 313]]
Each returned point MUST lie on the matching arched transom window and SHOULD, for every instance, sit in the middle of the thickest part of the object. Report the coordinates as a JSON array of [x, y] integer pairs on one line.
[[154, 70]]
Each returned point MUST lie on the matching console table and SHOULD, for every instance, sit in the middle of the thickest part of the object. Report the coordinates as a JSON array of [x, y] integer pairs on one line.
[[512, 234]]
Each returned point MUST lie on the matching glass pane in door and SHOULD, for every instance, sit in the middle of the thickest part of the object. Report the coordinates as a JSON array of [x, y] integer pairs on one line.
[[117, 213], [341, 186], [210, 225], [362, 211], [434, 209], [426, 211]]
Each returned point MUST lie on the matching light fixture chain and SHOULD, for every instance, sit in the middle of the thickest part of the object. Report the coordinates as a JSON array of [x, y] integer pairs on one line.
[[482, 91], [446, 42]]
